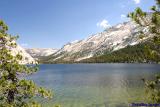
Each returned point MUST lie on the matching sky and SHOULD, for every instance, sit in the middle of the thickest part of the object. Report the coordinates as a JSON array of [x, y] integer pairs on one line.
[[53, 23]]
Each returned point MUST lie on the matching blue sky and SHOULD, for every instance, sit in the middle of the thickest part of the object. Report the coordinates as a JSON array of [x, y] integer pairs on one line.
[[53, 23]]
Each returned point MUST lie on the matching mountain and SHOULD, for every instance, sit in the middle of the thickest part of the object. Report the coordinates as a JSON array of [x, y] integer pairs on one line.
[[38, 53], [130, 54], [111, 39], [26, 58]]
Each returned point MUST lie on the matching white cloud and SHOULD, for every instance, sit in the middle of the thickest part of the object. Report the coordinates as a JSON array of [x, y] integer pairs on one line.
[[137, 1], [123, 16], [24, 45], [104, 24]]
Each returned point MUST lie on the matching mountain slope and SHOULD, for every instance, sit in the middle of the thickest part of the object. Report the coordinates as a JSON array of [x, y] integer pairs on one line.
[[137, 53], [26, 58], [112, 39]]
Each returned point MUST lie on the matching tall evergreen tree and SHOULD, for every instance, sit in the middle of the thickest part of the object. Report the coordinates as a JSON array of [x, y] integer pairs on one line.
[[15, 91], [152, 22]]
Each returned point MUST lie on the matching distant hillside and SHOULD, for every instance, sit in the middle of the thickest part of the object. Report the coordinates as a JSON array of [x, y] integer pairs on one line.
[[40, 53]]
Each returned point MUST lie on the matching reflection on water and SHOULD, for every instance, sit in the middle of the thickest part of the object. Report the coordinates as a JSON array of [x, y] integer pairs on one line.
[[95, 85]]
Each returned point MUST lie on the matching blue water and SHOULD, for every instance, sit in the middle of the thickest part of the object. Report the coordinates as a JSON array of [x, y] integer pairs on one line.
[[95, 85]]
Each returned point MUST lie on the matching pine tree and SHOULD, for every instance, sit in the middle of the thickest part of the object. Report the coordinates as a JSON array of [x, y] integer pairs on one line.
[[152, 22], [15, 91]]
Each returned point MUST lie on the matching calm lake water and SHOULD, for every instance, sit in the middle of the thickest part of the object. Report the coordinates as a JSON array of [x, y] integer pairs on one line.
[[95, 85]]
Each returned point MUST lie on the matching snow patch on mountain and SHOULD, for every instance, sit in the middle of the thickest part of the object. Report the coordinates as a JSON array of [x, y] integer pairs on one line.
[[79, 59]]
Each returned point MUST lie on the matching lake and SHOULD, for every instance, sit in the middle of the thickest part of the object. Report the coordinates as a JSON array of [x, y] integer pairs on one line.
[[95, 85]]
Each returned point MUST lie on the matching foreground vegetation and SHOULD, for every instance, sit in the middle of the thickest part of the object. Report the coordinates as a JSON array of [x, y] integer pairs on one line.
[[14, 90], [153, 25]]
